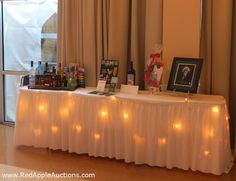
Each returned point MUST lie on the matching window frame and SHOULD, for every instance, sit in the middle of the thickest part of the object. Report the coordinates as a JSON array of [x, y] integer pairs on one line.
[[3, 72]]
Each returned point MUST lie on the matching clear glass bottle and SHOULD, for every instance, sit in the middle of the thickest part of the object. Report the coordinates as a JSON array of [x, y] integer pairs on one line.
[[46, 70], [59, 70], [71, 81], [39, 69], [32, 74]]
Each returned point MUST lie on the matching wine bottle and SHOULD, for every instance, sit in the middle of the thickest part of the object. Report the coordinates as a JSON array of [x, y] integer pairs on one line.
[[131, 74]]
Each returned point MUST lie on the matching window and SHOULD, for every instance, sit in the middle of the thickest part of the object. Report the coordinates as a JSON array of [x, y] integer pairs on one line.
[[28, 33]]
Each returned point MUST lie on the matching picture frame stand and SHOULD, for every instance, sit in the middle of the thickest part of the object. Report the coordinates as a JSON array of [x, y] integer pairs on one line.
[[188, 96]]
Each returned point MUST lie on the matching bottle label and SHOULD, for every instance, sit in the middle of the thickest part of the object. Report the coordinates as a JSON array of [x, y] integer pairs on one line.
[[130, 79], [31, 80]]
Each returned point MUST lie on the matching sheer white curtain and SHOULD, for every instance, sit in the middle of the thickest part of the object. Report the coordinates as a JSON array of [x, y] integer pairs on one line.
[[90, 31]]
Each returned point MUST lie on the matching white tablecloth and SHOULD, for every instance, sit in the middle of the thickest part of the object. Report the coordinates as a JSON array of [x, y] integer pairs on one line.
[[164, 130]]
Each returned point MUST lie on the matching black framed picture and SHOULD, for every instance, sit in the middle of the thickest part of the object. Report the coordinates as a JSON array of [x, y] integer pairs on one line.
[[185, 74]]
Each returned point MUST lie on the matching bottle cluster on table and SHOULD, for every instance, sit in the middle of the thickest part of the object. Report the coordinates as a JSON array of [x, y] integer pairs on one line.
[[50, 76]]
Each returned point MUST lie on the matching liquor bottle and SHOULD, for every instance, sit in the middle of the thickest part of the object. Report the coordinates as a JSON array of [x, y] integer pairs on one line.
[[131, 74], [39, 69], [60, 71], [32, 74], [54, 70], [66, 72], [71, 82], [64, 80], [46, 70]]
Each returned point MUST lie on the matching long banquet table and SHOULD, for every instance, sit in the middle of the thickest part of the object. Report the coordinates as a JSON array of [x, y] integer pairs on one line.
[[166, 130]]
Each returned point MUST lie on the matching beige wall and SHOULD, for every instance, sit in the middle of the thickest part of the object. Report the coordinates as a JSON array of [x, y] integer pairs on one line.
[[181, 31]]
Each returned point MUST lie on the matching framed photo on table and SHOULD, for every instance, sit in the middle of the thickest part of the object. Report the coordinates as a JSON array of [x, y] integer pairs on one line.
[[185, 74], [109, 72]]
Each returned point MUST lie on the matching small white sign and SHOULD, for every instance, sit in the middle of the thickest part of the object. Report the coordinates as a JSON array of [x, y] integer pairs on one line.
[[101, 85], [130, 89], [114, 80]]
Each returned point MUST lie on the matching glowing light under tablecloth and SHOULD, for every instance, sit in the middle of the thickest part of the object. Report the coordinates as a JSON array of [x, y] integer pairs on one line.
[[158, 130]]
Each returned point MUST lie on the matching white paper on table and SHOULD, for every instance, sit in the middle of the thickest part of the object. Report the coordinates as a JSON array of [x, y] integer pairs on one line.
[[130, 89], [101, 85]]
